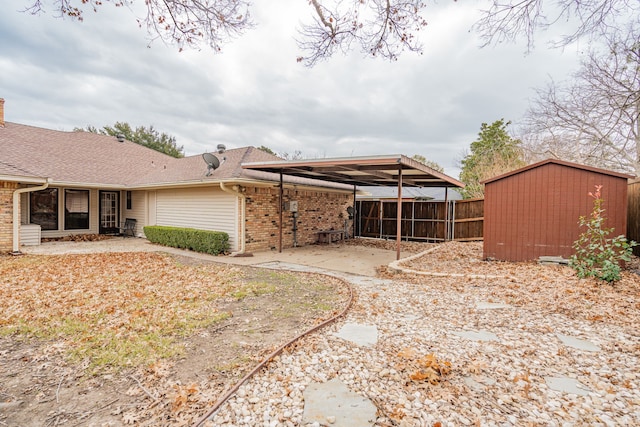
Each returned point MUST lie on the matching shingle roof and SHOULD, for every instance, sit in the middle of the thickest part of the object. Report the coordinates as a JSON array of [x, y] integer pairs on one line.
[[76, 157], [87, 158]]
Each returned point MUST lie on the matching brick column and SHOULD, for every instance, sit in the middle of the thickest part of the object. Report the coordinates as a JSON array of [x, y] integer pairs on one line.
[[6, 215]]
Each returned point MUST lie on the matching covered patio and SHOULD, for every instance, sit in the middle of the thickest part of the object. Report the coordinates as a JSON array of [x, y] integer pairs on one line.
[[395, 170]]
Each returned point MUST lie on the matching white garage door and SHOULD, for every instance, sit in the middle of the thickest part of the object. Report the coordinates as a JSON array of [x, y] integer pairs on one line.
[[204, 209]]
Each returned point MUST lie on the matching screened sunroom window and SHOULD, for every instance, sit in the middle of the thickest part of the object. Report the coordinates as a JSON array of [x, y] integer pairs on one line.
[[44, 208], [76, 209]]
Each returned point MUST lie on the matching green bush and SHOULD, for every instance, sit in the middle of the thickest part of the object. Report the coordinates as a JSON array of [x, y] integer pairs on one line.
[[210, 242], [596, 254]]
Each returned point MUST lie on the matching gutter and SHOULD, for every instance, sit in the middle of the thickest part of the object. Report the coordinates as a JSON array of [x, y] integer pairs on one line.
[[236, 191], [16, 213]]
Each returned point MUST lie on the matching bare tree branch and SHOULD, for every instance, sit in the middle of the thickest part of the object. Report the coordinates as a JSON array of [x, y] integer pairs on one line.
[[383, 28], [595, 119], [506, 21], [186, 23]]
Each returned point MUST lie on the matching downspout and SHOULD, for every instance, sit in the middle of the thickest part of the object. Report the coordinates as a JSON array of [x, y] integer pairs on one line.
[[236, 192], [16, 213]]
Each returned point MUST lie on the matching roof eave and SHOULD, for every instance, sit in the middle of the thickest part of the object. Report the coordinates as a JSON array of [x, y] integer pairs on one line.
[[238, 181], [23, 179]]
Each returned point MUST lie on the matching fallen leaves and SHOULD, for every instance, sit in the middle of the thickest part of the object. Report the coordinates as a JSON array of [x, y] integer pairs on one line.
[[116, 309], [121, 318], [546, 288], [426, 368]]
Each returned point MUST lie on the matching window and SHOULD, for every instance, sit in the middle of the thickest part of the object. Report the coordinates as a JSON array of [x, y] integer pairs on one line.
[[76, 209], [44, 208], [129, 200]]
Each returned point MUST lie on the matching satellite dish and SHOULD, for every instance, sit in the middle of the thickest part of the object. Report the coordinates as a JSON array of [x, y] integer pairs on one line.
[[212, 162]]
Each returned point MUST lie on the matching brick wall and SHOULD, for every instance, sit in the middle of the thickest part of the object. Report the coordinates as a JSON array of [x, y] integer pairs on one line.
[[317, 210], [6, 215]]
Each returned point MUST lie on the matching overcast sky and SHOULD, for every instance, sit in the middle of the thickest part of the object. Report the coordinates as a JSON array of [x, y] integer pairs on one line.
[[60, 74]]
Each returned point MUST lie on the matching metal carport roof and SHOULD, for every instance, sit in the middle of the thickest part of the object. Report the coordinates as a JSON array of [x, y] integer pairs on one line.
[[394, 170], [387, 171]]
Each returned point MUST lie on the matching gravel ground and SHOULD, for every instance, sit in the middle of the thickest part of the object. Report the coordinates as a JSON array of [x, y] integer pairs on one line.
[[421, 373]]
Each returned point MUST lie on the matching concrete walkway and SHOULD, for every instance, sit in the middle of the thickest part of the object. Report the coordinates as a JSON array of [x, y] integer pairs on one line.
[[357, 260]]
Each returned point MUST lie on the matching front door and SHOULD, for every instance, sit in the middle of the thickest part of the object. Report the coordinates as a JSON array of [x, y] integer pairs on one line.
[[109, 217]]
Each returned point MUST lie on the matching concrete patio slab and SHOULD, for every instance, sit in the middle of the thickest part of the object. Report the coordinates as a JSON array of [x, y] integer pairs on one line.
[[351, 259]]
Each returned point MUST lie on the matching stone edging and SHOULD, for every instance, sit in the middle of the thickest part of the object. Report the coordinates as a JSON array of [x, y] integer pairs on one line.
[[396, 268]]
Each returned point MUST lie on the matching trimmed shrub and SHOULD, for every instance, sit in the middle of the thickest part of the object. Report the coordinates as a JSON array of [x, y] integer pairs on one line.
[[205, 241]]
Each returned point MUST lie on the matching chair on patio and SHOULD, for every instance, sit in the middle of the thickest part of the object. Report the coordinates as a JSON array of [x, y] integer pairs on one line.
[[128, 228]]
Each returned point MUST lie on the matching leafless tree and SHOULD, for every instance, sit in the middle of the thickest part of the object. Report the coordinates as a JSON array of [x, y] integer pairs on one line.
[[185, 23], [595, 118], [380, 28], [509, 20]]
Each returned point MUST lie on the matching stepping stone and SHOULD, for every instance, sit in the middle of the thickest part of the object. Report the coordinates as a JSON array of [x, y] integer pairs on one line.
[[490, 305], [364, 335], [567, 385], [477, 336], [332, 403], [479, 383], [577, 343]]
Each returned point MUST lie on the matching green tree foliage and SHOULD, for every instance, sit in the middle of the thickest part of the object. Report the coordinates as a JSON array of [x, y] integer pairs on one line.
[[597, 255], [433, 165], [494, 152], [149, 137], [267, 150], [296, 155]]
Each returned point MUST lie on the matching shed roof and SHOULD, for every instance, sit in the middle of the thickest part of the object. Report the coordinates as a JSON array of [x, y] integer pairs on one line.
[[362, 171], [561, 163]]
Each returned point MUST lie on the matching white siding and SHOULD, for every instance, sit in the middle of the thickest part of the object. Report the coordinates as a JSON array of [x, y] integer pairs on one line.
[[30, 234], [204, 209], [151, 208], [138, 209]]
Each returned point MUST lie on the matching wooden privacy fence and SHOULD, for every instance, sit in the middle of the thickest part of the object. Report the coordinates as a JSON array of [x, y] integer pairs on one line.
[[431, 221], [633, 214]]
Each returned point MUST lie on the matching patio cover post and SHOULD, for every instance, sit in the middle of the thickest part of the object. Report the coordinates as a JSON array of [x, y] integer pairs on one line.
[[281, 208], [399, 215], [353, 234], [446, 214]]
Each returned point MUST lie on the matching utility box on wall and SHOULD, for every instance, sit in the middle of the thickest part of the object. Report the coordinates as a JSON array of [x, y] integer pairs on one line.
[[291, 206], [534, 211]]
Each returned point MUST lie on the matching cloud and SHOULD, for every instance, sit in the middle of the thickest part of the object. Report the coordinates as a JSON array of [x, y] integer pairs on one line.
[[62, 74]]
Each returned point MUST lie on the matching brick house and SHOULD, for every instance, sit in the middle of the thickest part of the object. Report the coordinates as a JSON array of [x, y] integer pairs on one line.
[[55, 184]]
